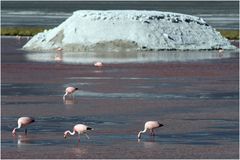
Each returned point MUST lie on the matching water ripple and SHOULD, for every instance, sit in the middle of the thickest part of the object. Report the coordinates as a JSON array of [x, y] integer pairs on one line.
[[57, 123], [227, 95]]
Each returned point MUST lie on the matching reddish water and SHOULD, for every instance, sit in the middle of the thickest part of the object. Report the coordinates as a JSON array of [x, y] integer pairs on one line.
[[197, 101]]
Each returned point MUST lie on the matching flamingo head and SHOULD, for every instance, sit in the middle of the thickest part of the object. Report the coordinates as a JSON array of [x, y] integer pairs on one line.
[[65, 134], [14, 132], [160, 125]]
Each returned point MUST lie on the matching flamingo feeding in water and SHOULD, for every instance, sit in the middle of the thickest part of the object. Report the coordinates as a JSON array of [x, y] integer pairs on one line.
[[150, 125], [98, 64], [23, 122], [69, 91], [79, 129]]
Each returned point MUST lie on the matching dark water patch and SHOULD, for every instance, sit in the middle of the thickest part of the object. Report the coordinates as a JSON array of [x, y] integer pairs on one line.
[[213, 119], [87, 120], [233, 126], [180, 141], [55, 90], [57, 123], [99, 140], [211, 135], [30, 89], [70, 119], [199, 138], [30, 142], [140, 95], [222, 124], [37, 14], [27, 103]]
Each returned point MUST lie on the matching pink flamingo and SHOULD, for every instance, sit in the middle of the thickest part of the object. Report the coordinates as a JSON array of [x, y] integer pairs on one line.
[[18, 37], [151, 125], [59, 49], [23, 122], [80, 129], [58, 57], [98, 64], [69, 91]]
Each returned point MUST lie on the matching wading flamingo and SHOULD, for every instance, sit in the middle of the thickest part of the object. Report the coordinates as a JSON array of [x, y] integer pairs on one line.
[[220, 50], [59, 49], [18, 37], [58, 57], [150, 125], [23, 122], [98, 64], [69, 91], [79, 129]]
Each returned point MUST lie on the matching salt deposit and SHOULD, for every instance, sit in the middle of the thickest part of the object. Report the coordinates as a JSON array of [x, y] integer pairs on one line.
[[129, 30]]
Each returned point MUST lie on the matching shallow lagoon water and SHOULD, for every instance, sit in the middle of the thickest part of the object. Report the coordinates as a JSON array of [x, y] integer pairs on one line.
[[127, 57], [195, 99]]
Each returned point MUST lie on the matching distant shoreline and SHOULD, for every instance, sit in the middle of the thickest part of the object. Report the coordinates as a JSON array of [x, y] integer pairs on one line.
[[31, 31]]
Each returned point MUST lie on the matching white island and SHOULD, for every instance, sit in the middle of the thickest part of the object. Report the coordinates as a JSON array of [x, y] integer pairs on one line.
[[129, 30]]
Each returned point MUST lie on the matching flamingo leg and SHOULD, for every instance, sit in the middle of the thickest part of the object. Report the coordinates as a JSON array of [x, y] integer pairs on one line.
[[153, 133], [14, 131], [78, 138], [87, 136], [25, 131], [73, 96]]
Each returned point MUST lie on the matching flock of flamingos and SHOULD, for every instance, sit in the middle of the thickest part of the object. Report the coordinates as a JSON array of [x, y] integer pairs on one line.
[[23, 122]]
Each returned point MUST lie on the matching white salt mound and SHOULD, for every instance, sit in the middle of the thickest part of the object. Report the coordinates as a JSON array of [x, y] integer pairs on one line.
[[129, 30]]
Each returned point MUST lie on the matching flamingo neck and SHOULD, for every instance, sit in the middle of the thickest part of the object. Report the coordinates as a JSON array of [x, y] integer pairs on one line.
[[65, 95], [14, 130], [71, 133], [139, 134], [18, 127]]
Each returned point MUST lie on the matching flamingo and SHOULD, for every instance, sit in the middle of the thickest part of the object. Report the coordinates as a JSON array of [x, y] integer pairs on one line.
[[151, 125], [69, 91], [23, 122], [80, 129], [58, 57], [220, 50], [98, 64], [18, 37], [59, 49]]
